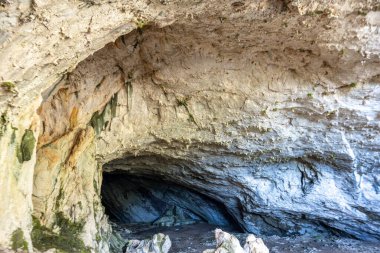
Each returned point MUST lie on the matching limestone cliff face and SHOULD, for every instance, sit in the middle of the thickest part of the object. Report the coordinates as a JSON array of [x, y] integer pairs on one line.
[[17, 159], [269, 107]]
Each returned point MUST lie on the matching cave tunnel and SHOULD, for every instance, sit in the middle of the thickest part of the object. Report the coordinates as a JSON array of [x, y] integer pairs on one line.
[[145, 195], [151, 200]]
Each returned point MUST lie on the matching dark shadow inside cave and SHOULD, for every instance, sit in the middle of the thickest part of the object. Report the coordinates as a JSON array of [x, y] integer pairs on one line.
[[143, 201]]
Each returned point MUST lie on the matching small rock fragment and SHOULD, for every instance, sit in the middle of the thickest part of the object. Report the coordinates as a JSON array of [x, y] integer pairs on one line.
[[160, 243], [255, 245], [227, 243]]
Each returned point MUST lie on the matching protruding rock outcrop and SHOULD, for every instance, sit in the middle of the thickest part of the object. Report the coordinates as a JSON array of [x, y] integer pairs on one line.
[[227, 243]]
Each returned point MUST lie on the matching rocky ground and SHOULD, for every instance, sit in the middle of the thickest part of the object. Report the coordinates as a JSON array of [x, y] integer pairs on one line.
[[198, 237]]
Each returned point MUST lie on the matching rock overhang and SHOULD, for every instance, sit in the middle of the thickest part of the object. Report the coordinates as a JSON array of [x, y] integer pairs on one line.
[[264, 90]]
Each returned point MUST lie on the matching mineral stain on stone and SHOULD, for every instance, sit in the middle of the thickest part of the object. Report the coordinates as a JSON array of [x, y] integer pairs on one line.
[[66, 240], [100, 120], [3, 124], [9, 87], [18, 240], [25, 151]]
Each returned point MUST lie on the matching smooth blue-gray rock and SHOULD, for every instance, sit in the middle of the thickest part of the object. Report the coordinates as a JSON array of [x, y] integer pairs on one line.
[[128, 199]]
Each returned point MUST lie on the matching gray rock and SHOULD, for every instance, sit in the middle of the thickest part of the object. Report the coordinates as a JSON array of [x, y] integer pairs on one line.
[[174, 216]]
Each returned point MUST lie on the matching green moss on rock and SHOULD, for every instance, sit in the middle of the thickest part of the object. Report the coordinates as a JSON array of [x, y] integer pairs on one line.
[[353, 85], [18, 240], [61, 195], [183, 102], [9, 86], [3, 124], [13, 136], [25, 152], [100, 120], [67, 240]]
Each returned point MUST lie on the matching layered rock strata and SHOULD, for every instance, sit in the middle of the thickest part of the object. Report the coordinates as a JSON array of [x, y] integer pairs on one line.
[[271, 108]]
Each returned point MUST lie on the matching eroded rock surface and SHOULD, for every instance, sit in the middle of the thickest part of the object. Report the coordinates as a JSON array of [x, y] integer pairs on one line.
[[271, 108], [227, 243], [159, 243], [255, 245]]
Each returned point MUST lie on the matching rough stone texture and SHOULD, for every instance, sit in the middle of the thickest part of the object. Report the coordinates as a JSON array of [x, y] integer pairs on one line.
[[255, 245], [159, 243], [270, 107], [261, 137], [227, 243], [16, 175], [198, 237], [66, 179]]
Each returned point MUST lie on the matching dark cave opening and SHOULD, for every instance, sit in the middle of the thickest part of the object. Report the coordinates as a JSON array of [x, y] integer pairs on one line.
[[132, 200]]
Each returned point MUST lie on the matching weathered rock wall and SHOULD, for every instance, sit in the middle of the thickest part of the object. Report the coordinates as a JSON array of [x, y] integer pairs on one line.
[[67, 181], [18, 141], [261, 104], [254, 126]]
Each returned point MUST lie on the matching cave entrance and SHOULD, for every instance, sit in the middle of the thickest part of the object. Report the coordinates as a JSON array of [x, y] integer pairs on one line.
[[141, 205], [138, 202]]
